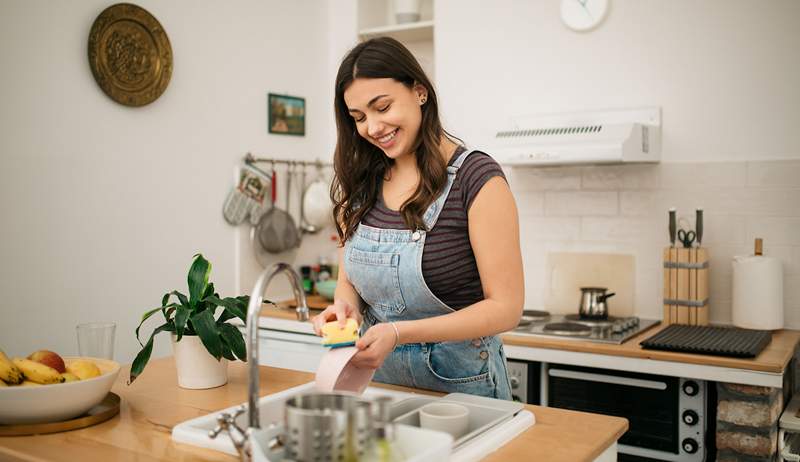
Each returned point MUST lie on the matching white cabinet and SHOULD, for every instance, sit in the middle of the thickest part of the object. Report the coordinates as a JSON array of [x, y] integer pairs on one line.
[[377, 18], [289, 350]]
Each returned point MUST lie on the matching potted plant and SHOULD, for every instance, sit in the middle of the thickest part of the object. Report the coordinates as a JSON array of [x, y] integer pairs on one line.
[[202, 344]]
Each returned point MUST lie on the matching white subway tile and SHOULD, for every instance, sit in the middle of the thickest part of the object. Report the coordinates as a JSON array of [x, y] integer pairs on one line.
[[618, 229], [720, 311], [591, 203], [530, 202], [602, 177], [706, 174], [638, 203], [722, 229], [791, 290], [791, 316], [641, 176], [549, 227], [774, 173], [547, 178], [774, 230]]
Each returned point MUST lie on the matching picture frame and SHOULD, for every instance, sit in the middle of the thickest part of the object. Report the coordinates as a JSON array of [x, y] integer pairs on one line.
[[286, 114]]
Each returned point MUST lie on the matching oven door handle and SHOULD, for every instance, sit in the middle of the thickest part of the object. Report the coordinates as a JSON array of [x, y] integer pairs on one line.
[[641, 383]]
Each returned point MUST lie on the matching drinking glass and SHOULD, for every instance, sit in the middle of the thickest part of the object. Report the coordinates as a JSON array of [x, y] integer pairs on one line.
[[96, 339]]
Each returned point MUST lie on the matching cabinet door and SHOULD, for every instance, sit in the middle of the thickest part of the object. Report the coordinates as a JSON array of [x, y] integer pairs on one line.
[[289, 350]]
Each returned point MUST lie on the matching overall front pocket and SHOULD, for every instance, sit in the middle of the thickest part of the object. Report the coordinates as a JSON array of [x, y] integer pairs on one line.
[[376, 278], [459, 364]]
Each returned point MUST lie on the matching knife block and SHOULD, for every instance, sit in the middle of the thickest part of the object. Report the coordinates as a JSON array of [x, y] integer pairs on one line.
[[686, 286]]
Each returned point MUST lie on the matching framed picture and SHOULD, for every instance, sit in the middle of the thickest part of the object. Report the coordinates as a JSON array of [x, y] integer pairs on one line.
[[287, 114]]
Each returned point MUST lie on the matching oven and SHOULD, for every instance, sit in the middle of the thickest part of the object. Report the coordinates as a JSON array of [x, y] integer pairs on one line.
[[666, 415]]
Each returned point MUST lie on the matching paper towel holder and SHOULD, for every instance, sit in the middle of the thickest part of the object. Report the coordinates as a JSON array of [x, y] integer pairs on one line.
[[759, 250]]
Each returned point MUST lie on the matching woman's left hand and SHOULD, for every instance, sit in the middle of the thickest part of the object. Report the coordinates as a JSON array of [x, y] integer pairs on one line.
[[375, 345]]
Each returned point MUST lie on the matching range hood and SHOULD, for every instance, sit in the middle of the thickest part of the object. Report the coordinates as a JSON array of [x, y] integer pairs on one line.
[[596, 137]]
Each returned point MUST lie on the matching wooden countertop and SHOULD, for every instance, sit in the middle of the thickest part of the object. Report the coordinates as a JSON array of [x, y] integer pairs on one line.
[[773, 359], [154, 404]]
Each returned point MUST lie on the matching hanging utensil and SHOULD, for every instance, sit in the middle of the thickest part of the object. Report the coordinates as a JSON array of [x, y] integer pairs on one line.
[[276, 231], [317, 202], [305, 227]]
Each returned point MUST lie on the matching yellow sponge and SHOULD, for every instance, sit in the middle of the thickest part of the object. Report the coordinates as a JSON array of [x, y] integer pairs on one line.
[[334, 336]]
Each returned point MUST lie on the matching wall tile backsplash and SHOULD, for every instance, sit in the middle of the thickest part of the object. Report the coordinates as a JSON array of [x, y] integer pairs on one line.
[[623, 209]]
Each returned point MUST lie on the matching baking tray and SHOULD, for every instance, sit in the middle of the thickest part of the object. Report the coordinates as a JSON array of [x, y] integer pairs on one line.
[[484, 413]]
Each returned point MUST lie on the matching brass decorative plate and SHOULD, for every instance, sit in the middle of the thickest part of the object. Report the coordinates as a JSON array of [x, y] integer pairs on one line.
[[130, 55], [101, 412]]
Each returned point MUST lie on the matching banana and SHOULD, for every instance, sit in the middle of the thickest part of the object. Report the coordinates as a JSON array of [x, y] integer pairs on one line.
[[38, 372], [2, 384], [9, 373]]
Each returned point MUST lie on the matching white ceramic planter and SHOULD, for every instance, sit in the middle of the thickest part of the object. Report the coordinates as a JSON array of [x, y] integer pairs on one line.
[[197, 369]]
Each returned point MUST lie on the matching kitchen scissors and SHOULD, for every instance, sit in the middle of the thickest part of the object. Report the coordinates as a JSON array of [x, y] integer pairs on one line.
[[687, 238]]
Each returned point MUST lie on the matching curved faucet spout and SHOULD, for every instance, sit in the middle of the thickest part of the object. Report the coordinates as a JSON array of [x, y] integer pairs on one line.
[[253, 311]]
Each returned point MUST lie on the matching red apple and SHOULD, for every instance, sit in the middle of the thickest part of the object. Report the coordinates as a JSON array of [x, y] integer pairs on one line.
[[48, 358]]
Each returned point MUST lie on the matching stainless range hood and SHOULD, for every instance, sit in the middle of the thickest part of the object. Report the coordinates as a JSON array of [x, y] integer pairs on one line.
[[596, 137]]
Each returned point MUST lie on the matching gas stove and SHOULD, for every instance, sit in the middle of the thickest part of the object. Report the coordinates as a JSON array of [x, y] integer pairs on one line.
[[613, 329]]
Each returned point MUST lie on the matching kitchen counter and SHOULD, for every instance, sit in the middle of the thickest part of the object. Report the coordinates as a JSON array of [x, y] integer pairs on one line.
[[767, 369], [154, 404]]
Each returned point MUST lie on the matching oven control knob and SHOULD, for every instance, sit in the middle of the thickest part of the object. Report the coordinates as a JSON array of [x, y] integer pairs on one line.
[[514, 382], [690, 446], [690, 417], [691, 388]]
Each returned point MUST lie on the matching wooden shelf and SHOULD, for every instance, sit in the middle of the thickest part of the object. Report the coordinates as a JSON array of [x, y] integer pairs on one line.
[[411, 32]]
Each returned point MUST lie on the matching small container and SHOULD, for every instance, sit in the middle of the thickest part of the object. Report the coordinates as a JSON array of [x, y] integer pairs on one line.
[[308, 281]]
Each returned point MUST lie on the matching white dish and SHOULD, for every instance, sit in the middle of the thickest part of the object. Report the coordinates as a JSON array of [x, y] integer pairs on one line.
[[61, 401]]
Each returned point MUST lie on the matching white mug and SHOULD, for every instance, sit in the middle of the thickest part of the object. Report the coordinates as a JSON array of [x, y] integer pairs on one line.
[[445, 417]]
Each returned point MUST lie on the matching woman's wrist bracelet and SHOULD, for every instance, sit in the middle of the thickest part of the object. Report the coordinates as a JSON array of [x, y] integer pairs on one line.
[[396, 336]]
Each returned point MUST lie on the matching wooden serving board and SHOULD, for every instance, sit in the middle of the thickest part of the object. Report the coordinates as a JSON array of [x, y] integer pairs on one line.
[[101, 412], [315, 302]]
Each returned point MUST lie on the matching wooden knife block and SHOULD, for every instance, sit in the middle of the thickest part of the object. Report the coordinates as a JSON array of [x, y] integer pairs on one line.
[[686, 286]]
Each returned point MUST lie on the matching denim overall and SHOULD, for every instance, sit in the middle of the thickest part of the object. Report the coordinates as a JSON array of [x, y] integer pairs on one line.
[[385, 267]]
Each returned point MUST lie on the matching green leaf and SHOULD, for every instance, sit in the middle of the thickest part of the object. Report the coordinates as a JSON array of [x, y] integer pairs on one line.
[[232, 305], [234, 339], [198, 279], [181, 316], [147, 315], [226, 352], [203, 323], [181, 297], [141, 359]]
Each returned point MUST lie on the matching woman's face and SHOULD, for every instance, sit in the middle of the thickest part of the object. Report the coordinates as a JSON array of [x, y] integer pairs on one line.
[[386, 113]]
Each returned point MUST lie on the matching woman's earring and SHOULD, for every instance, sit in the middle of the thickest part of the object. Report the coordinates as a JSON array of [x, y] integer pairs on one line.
[[422, 100]]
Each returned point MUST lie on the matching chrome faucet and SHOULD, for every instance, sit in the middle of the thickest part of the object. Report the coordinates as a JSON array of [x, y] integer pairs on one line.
[[227, 422]]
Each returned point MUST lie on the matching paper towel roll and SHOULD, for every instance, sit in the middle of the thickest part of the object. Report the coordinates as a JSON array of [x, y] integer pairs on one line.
[[757, 292]]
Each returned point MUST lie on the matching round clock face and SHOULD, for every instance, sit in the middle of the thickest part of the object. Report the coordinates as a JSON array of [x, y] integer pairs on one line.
[[583, 15]]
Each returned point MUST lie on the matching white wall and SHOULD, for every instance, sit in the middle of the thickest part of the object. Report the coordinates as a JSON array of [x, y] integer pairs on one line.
[[725, 74], [104, 205]]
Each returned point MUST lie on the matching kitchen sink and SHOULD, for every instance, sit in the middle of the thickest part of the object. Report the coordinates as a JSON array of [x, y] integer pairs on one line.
[[437, 445]]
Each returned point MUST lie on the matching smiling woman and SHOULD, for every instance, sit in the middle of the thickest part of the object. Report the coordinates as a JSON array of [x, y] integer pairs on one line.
[[430, 261]]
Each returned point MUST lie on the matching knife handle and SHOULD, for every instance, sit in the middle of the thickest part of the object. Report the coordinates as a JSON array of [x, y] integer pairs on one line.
[[673, 226], [698, 225]]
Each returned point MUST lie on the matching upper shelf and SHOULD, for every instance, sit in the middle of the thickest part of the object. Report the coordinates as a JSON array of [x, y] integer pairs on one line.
[[410, 32]]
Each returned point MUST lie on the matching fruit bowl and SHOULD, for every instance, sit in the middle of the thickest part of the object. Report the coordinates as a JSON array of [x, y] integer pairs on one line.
[[56, 402]]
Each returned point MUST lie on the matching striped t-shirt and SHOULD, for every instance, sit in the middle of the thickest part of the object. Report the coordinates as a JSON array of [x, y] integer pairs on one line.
[[448, 264]]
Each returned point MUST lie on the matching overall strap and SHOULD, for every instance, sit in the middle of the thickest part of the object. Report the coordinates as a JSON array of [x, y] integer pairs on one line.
[[432, 214]]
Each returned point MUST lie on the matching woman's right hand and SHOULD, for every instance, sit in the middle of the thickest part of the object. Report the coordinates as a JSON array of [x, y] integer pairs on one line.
[[340, 311]]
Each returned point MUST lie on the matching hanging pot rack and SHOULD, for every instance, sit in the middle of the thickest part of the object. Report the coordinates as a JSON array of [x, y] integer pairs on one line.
[[250, 159]]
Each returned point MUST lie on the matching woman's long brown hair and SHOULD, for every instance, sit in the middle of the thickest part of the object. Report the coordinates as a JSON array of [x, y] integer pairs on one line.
[[360, 166]]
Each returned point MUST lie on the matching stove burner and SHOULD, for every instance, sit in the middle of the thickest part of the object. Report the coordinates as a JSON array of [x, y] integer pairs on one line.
[[591, 321], [531, 316], [572, 329]]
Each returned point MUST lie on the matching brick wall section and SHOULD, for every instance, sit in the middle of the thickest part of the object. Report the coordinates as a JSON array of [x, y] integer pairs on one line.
[[747, 422]]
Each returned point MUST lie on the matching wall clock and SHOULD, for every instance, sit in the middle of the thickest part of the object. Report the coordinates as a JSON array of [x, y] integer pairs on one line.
[[583, 15]]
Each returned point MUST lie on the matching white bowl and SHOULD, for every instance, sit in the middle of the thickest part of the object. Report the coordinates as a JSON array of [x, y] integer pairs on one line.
[[61, 401]]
